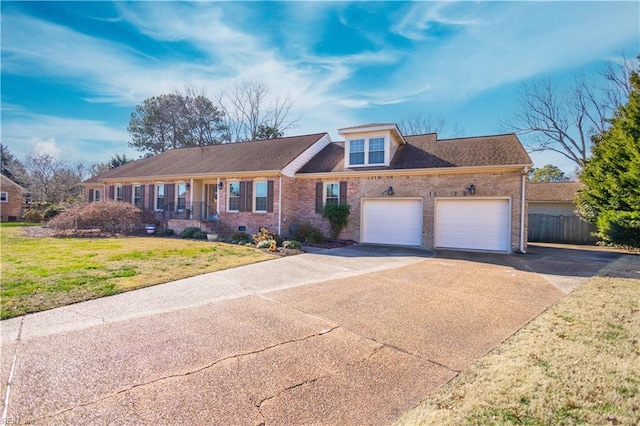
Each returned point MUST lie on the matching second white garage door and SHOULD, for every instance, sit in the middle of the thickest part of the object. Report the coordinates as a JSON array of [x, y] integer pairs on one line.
[[392, 221], [472, 224]]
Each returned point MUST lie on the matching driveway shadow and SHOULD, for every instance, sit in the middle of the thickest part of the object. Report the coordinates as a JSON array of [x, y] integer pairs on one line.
[[373, 250], [566, 261]]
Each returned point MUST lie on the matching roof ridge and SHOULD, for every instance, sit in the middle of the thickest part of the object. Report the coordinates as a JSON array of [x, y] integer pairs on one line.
[[476, 137], [244, 142]]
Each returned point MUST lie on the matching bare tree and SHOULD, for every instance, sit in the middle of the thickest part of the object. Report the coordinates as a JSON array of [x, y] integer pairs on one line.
[[419, 124], [51, 181], [248, 111], [564, 120]]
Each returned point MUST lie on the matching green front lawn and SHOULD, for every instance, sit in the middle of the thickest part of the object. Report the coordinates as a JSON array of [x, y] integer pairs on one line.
[[44, 273]]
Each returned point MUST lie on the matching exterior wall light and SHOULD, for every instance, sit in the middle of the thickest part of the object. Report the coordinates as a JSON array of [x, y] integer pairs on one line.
[[471, 189], [389, 191], [187, 186], [220, 185]]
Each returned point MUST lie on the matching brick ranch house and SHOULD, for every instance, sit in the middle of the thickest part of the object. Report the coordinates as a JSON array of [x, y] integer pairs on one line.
[[464, 193], [11, 200]]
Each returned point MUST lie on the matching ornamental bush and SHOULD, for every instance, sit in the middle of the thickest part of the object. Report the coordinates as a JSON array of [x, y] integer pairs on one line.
[[307, 233], [264, 244], [189, 232], [107, 216], [292, 244], [338, 216]]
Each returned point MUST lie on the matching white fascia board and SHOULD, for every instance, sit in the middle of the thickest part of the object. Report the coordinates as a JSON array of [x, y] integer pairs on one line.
[[391, 127], [292, 168]]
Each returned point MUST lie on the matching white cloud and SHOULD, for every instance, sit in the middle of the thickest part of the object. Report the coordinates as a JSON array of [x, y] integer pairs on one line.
[[508, 42], [48, 147], [66, 139]]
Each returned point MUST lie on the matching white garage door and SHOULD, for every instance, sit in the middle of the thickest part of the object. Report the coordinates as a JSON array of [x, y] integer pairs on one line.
[[392, 221], [472, 224]]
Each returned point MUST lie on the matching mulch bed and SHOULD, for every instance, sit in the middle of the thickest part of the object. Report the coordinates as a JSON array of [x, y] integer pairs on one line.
[[330, 244], [44, 232]]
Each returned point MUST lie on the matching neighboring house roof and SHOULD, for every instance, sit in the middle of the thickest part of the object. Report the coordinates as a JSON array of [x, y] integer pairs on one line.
[[426, 151], [553, 191], [254, 156], [6, 181]]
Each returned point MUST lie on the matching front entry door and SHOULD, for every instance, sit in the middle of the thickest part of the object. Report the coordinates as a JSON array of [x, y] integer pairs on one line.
[[211, 200]]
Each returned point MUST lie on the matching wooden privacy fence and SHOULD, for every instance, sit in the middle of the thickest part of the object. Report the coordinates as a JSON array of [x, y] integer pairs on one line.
[[544, 228]]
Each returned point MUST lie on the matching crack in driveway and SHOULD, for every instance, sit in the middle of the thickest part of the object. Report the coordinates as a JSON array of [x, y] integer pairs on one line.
[[188, 373]]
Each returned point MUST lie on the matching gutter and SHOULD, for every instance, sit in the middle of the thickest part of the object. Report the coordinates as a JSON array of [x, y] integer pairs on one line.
[[279, 205], [413, 172], [522, 209]]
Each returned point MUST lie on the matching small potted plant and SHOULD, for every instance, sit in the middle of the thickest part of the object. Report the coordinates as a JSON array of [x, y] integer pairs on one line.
[[150, 228], [212, 237]]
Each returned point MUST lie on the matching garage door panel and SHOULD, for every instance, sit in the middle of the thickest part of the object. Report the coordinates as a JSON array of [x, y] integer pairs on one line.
[[392, 221], [472, 224]]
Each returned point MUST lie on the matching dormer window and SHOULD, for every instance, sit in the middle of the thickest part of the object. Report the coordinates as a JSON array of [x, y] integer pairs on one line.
[[368, 151], [371, 144]]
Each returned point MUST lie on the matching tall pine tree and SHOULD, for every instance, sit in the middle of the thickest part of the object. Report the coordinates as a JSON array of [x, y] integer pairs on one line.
[[611, 197]]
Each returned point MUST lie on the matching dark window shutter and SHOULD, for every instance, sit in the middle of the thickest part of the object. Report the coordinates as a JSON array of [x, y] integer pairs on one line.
[[111, 192], [151, 196], [270, 196], [319, 197], [249, 196], [141, 196], [343, 192], [169, 196], [90, 195], [243, 190]]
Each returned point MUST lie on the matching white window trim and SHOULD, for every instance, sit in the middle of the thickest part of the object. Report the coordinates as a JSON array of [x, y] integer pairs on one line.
[[6, 197], [228, 188], [387, 149], [115, 196], [324, 191], [255, 195]]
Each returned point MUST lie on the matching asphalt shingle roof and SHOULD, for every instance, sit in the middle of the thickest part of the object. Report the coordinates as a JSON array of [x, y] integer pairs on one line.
[[426, 151], [553, 191], [271, 154]]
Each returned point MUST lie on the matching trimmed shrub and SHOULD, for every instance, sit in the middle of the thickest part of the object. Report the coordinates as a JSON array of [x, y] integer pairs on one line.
[[190, 232], [264, 244], [166, 233], [33, 216], [107, 216], [308, 233], [200, 235], [292, 244], [241, 237]]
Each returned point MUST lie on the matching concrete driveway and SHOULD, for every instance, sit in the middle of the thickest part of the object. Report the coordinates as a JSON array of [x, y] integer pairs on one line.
[[355, 335]]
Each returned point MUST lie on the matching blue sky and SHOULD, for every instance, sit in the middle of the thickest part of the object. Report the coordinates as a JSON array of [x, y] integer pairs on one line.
[[72, 73]]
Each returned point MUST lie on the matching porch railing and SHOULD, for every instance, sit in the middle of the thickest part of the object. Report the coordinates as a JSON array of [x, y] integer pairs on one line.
[[189, 211]]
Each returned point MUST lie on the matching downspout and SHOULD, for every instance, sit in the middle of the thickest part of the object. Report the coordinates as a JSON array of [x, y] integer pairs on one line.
[[280, 205], [522, 209]]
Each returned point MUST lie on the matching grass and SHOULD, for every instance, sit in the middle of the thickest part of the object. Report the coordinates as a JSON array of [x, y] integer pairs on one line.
[[577, 363], [44, 273]]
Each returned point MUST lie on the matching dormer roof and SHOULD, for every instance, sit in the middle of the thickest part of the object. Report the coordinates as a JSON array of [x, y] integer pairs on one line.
[[374, 127]]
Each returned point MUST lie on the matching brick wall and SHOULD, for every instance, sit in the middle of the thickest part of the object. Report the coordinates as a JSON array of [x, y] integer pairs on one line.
[[505, 184], [13, 207]]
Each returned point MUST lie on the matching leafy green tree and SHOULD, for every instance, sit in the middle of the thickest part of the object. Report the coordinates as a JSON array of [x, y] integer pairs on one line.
[[119, 160], [547, 173], [175, 121], [611, 197]]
